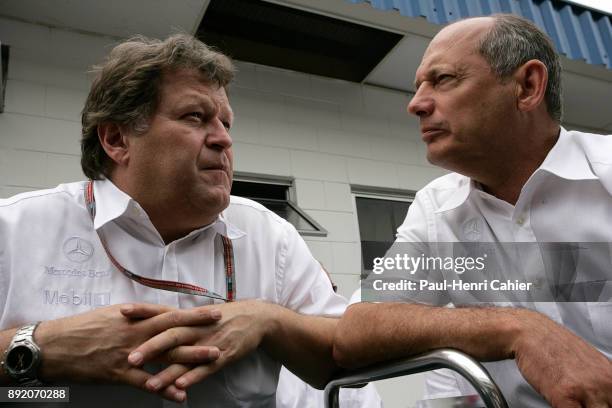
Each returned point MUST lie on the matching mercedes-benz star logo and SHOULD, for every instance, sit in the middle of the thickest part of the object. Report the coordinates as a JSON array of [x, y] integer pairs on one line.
[[472, 230], [78, 250]]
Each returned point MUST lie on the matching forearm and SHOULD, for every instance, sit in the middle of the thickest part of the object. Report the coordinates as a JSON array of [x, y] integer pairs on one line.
[[398, 330], [303, 344], [93, 346]]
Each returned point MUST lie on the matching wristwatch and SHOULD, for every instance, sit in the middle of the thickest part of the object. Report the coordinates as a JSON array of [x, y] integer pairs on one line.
[[22, 357]]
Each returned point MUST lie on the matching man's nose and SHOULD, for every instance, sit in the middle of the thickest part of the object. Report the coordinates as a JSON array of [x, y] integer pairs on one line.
[[218, 136], [422, 103]]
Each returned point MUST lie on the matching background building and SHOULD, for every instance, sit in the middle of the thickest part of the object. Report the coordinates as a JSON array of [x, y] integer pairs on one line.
[[322, 134]]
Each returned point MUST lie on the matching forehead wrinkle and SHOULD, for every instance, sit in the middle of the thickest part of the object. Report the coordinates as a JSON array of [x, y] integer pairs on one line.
[[431, 61], [429, 73], [198, 98], [208, 98], [429, 70], [442, 46]]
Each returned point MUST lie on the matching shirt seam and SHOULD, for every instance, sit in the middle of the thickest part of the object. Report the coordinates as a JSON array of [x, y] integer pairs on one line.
[[264, 210], [11, 203], [430, 217], [280, 281], [3, 286]]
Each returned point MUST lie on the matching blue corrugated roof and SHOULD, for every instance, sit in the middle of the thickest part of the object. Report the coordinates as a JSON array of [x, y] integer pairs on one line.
[[578, 32]]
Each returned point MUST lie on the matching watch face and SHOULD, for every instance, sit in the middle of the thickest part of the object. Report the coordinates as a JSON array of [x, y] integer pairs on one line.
[[19, 359]]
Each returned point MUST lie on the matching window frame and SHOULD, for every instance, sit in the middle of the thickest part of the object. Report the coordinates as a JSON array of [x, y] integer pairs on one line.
[[290, 199], [381, 193], [378, 193]]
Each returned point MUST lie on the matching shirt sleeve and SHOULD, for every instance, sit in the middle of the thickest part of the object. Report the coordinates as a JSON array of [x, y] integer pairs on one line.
[[304, 286], [416, 225]]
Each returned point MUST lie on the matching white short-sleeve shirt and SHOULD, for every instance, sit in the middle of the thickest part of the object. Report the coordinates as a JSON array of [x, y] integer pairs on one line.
[[567, 199], [52, 265]]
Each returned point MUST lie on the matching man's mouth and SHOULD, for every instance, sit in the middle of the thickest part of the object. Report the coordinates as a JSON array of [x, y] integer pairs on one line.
[[214, 166], [428, 133]]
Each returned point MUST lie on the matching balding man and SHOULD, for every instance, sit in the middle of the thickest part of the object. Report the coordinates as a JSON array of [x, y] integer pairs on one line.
[[488, 98]]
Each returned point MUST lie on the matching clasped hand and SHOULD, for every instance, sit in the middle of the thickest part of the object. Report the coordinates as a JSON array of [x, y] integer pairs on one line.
[[197, 351], [92, 347]]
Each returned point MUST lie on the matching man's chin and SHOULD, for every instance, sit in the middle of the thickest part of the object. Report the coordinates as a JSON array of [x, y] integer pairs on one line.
[[210, 198], [219, 198], [435, 157], [442, 159]]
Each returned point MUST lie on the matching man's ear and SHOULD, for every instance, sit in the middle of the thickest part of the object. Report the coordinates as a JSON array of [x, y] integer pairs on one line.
[[531, 79], [115, 142]]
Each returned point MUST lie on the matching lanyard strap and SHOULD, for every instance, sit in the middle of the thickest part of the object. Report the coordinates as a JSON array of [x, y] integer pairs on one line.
[[228, 259]]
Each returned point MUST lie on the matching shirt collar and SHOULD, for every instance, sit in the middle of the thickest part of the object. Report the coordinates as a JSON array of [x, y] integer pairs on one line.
[[460, 196], [112, 203], [226, 228], [564, 160], [567, 161]]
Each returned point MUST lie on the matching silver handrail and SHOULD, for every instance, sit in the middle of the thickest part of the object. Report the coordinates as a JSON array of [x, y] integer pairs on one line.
[[457, 361]]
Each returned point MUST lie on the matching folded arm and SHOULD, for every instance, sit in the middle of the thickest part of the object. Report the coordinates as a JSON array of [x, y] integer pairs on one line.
[[301, 343], [92, 347], [561, 366]]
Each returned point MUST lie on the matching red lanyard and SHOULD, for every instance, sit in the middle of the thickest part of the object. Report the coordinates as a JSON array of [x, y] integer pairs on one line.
[[228, 259]]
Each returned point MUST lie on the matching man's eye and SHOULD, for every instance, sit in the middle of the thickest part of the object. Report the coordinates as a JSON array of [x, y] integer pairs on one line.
[[199, 116], [443, 77], [226, 125]]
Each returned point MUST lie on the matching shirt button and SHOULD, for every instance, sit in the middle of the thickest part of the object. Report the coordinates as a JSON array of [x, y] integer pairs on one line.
[[520, 220]]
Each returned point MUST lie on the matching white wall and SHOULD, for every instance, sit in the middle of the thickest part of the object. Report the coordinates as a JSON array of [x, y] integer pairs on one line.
[[327, 134], [47, 85]]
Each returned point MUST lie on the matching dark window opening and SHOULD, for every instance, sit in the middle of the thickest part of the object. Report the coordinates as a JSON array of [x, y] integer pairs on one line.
[[4, 59], [275, 197], [271, 34], [378, 223]]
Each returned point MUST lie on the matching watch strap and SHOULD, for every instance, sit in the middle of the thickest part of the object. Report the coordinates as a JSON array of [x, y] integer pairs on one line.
[[25, 336], [25, 333]]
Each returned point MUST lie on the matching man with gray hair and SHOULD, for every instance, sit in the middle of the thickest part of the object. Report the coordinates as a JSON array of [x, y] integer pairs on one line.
[[150, 275], [488, 98]]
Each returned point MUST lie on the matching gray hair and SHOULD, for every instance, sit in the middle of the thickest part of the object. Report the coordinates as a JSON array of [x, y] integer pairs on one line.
[[125, 90], [511, 42]]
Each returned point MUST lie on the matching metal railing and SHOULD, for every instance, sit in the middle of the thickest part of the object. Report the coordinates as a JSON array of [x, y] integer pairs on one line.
[[463, 364]]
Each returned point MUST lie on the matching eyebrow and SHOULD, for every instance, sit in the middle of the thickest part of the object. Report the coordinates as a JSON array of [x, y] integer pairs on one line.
[[225, 107], [229, 112], [209, 102], [432, 73], [193, 99]]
